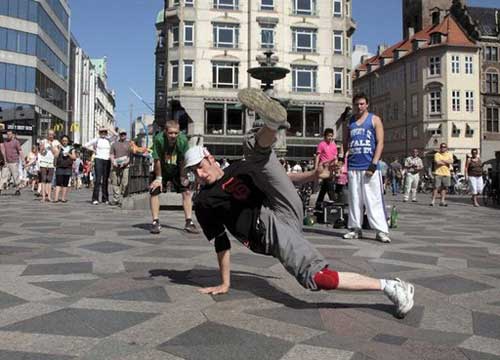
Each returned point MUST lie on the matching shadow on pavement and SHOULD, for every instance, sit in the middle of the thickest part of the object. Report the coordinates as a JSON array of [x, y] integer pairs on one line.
[[147, 227], [258, 286]]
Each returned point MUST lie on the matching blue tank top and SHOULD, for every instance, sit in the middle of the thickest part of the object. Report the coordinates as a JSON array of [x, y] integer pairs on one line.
[[362, 143]]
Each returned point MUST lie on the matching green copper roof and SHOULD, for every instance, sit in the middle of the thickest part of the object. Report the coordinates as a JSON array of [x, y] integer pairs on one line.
[[160, 17]]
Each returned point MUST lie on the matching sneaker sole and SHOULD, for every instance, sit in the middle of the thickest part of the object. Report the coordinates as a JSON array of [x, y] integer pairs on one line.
[[404, 311], [352, 238], [271, 111]]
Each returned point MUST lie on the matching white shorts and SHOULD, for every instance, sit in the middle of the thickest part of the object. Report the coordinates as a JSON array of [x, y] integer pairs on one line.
[[476, 185]]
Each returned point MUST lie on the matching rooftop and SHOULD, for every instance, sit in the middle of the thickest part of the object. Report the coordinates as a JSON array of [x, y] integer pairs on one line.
[[486, 19], [452, 33]]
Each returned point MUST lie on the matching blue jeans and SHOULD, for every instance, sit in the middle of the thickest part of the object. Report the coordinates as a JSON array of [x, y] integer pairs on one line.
[[395, 185]]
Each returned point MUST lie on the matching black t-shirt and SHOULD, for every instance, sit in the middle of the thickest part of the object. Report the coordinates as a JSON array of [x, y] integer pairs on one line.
[[233, 203]]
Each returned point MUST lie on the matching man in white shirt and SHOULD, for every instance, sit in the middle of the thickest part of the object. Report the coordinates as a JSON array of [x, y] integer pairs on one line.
[[413, 166], [102, 148], [46, 158]]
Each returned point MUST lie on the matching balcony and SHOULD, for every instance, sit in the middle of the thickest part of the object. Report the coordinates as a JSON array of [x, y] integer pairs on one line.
[[351, 26], [172, 15]]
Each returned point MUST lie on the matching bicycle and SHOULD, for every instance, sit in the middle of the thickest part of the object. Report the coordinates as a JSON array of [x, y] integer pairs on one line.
[[490, 195]]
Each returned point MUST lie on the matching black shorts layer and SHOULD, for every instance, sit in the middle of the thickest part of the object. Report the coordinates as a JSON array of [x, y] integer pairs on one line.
[[62, 180], [46, 175]]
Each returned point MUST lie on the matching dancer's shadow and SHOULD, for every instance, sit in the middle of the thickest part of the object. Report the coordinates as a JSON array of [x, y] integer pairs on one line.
[[147, 227], [258, 286]]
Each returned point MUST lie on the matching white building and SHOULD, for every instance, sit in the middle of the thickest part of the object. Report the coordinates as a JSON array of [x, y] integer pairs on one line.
[[211, 45], [360, 53], [91, 103]]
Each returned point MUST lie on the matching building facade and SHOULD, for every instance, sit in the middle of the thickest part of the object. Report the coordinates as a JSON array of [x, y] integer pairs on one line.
[[210, 45], [91, 104], [34, 61], [426, 90], [483, 25]]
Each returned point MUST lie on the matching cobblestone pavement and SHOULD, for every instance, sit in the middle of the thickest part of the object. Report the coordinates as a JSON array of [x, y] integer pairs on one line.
[[89, 282]]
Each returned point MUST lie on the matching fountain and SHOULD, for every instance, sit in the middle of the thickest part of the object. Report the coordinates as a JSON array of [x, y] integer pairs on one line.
[[268, 73]]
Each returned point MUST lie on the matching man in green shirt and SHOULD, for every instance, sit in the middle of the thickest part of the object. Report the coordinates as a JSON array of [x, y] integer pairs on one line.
[[169, 148]]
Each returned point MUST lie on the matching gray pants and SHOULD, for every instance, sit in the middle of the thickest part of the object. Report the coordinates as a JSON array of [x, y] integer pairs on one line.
[[282, 215], [10, 169], [119, 183]]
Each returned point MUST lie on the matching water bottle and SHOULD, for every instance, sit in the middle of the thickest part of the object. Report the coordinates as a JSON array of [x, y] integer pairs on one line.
[[394, 217]]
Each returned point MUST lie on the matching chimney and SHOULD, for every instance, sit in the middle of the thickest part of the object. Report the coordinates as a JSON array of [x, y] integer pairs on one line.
[[381, 49], [411, 32]]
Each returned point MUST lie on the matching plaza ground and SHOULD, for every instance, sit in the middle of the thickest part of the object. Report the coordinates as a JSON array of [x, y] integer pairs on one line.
[[90, 282]]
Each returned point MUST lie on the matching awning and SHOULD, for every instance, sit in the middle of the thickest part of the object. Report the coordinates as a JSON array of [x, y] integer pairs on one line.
[[433, 127]]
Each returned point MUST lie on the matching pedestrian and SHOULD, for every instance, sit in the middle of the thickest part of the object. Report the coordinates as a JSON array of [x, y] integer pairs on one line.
[[169, 147], [77, 172], [474, 175], [326, 153], [364, 140], [296, 168], [33, 167], [256, 201], [12, 154], [47, 168], [87, 170], [396, 172], [443, 160], [413, 165], [341, 179], [101, 146], [120, 161], [64, 155], [384, 169]]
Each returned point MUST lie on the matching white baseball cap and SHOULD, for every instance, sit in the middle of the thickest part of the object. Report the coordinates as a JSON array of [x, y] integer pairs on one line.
[[195, 155]]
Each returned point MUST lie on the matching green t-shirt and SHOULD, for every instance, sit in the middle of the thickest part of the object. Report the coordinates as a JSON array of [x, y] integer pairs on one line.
[[170, 156]]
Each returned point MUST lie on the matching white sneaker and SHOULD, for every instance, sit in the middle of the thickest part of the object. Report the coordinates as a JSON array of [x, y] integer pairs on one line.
[[355, 234], [382, 236], [95, 202], [272, 113], [401, 294]]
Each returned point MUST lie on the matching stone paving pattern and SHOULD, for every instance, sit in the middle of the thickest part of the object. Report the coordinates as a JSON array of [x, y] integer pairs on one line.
[[89, 282]]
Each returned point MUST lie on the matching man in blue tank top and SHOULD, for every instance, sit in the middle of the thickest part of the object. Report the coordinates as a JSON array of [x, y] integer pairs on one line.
[[364, 143]]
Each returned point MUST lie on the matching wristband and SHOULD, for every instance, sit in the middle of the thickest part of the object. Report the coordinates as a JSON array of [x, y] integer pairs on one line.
[[158, 178], [372, 168]]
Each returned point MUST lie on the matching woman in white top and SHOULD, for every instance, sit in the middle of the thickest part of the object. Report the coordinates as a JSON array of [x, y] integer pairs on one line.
[[46, 159], [101, 146]]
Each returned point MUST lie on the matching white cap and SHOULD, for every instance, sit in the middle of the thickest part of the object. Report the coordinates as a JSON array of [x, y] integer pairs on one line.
[[195, 155]]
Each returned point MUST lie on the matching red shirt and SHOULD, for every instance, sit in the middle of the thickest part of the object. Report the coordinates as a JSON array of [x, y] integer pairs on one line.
[[12, 151], [327, 151]]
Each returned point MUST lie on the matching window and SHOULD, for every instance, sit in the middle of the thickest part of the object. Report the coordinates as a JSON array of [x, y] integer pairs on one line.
[[214, 119], [435, 102], [455, 64], [234, 122], [469, 101], [434, 65], [414, 72], [226, 35], [304, 7], [267, 4], [295, 118], [304, 78], [226, 4], [225, 75], [395, 115], [160, 97], [188, 34], [337, 42], [337, 78], [10, 83], [175, 36], [314, 121], [492, 83], [188, 73], [175, 73], [337, 8], [267, 36], [414, 105], [304, 40], [492, 119], [468, 65], [348, 81], [455, 131], [435, 38], [161, 71], [455, 100], [491, 53], [189, 3], [469, 131]]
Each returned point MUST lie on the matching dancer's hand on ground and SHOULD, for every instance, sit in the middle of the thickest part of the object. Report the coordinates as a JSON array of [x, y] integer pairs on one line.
[[215, 290]]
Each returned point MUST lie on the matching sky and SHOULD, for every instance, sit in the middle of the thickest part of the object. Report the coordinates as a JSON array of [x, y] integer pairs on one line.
[[124, 31]]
